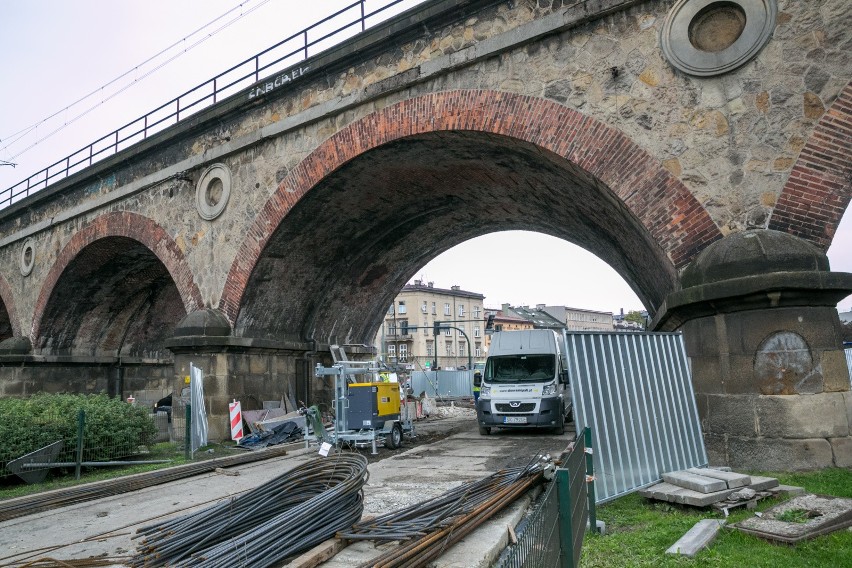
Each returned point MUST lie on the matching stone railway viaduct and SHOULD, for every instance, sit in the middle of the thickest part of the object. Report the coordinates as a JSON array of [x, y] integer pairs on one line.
[[710, 172]]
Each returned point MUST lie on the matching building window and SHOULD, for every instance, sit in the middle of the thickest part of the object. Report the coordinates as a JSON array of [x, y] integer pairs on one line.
[[403, 352], [449, 348], [462, 349], [447, 309], [478, 350], [461, 331], [476, 312], [434, 309], [476, 331], [448, 332], [392, 328], [402, 307], [391, 351], [461, 311], [430, 349], [423, 307]]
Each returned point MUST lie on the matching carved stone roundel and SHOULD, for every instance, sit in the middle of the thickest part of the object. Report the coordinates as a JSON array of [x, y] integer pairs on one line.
[[711, 37]]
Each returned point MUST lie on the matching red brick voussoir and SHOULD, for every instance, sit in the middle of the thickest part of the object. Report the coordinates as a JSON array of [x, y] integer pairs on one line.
[[666, 208], [133, 226]]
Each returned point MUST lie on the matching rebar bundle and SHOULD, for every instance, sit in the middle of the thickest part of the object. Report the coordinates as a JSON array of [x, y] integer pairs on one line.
[[434, 525], [296, 511], [21, 506]]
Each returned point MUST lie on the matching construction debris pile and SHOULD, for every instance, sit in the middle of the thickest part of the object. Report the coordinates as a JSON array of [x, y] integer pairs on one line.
[[295, 511], [432, 526]]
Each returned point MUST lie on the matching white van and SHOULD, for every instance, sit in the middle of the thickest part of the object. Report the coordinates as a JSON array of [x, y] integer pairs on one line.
[[524, 383]]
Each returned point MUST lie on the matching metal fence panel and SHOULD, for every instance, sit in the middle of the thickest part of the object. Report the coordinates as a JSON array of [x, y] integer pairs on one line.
[[635, 391], [552, 534], [849, 362], [442, 384]]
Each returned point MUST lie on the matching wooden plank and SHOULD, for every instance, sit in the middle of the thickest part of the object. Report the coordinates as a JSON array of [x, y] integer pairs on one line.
[[733, 480], [318, 554]]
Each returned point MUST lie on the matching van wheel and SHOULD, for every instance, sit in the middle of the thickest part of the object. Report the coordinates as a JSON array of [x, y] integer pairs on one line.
[[560, 428], [484, 430], [394, 438]]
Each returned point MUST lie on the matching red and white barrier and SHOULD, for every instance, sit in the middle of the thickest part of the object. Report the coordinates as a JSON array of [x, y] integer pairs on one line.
[[236, 415]]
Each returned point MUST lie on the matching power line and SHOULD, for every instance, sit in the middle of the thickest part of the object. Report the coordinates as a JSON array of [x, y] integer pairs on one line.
[[16, 136]]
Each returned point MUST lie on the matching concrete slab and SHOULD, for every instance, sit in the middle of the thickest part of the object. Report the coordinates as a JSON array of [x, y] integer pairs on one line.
[[665, 491], [732, 479], [697, 538], [693, 481]]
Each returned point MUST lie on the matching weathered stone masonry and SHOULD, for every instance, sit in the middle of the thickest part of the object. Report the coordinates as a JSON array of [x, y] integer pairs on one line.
[[457, 119]]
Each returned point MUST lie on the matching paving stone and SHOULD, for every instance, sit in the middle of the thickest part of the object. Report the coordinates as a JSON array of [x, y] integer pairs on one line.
[[732, 479], [700, 483], [696, 538]]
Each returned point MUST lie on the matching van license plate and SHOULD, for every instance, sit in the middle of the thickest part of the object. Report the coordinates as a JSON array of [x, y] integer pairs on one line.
[[514, 420]]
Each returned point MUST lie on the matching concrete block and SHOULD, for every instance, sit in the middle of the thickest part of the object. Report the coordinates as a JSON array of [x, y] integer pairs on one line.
[[731, 414], [802, 416], [842, 450], [733, 480], [778, 454], [697, 538], [696, 482]]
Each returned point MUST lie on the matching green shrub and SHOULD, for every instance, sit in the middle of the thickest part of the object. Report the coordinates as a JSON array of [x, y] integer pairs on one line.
[[113, 428]]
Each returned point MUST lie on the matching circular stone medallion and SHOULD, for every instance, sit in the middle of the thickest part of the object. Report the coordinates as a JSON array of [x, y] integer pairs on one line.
[[711, 37], [27, 257], [213, 191]]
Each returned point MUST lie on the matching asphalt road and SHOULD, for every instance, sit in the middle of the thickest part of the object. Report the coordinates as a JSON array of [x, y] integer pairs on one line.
[[447, 452]]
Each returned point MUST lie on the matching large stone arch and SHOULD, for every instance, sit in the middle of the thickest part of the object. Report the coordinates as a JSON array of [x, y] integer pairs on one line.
[[108, 237], [9, 324], [819, 188], [662, 207]]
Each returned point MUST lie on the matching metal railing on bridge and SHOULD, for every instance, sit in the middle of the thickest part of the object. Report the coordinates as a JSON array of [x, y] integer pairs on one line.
[[341, 25]]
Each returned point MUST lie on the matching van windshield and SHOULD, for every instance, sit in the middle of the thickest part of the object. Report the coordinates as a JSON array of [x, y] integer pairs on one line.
[[520, 368]]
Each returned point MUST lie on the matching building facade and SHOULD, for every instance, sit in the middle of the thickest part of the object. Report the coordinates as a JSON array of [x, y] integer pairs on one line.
[[576, 319], [407, 337]]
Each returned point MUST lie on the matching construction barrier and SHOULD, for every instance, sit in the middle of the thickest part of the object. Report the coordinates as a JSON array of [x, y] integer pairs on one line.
[[236, 415]]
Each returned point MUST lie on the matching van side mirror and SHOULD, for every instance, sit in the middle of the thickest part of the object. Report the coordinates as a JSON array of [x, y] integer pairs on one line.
[[564, 377], [477, 378]]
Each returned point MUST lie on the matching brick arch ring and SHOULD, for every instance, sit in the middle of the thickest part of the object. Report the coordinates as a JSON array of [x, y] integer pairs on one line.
[[819, 188], [666, 208], [133, 226], [8, 299]]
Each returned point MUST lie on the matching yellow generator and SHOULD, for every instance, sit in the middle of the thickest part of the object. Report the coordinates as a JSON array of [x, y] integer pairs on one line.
[[371, 404], [365, 412]]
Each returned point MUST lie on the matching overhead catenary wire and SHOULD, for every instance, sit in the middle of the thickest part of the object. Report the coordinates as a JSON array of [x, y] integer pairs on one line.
[[20, 134]]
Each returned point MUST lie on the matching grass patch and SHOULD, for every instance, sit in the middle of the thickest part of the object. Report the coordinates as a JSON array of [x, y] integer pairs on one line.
[[639, 531]]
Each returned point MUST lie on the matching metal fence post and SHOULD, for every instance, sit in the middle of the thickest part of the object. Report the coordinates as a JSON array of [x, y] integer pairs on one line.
[[81, 422], [566, 539], [187, 434], [590, 479]]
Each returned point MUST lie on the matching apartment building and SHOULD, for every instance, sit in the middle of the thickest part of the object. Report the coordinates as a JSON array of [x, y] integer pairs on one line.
[[407, 338], [576, 319]]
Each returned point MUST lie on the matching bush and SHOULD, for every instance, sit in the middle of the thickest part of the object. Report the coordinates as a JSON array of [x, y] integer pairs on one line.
[[113, 428]]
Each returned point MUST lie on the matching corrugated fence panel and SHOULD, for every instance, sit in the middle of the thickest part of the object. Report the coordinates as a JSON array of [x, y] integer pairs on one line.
[[635, 391], [442, 384], [849, 362]]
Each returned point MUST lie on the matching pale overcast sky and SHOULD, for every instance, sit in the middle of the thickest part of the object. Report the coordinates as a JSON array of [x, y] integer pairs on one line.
[[57, 51]]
